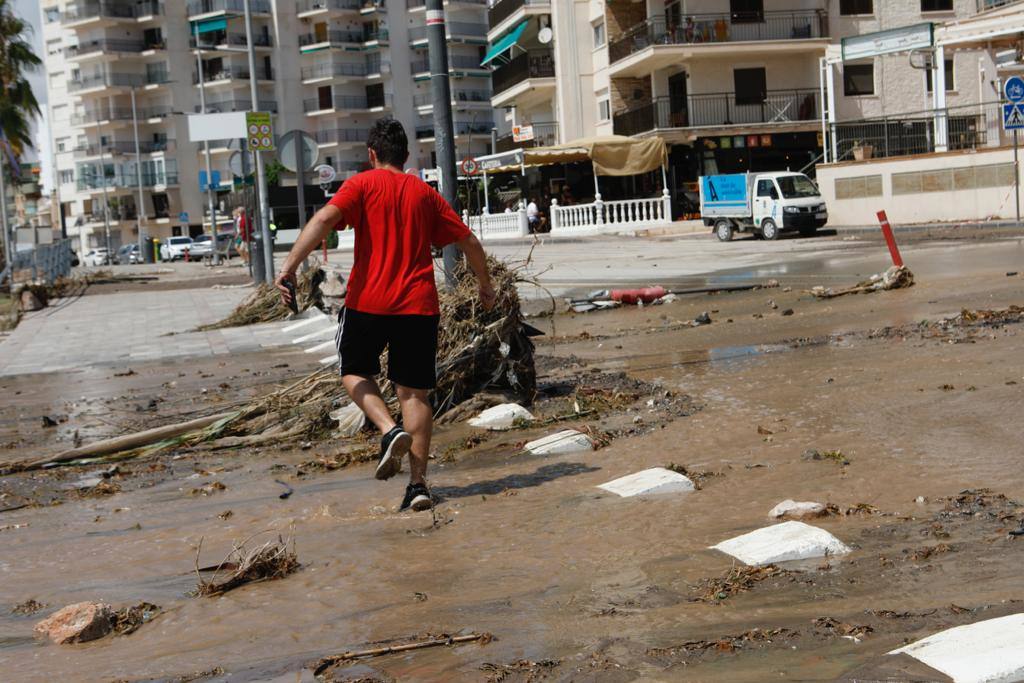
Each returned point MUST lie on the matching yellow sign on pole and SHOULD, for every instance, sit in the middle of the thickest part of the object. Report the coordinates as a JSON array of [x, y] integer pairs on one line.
[[259, 131]]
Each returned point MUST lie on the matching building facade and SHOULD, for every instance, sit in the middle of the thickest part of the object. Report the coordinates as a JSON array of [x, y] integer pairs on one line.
[[118, 70], [731, 85]]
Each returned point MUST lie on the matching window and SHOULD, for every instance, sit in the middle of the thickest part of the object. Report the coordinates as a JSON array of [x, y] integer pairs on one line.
[[598, 34], [746, 11], [858, 79], [65, 177], [936, 5], [604, 109], [751, 86], [375, 95], [949, 77], [62, 144], [766, 188], [849, 8], [52, 14]]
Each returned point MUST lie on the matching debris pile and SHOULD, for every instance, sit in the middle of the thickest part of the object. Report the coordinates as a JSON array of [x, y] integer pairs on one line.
[[272, 560], [738, 580], [897, 277], [264, 305], [427, 640], [130, 619]]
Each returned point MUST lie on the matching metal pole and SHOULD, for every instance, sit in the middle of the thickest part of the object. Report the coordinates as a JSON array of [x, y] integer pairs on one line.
[[138, 179], [8, 257], [300, 165], [211, 204], [261, 181], [106, 201], [245, 201], [441, 94], [1016, 171]]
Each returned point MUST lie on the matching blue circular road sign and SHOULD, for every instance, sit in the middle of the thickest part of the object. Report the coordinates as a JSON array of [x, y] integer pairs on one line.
[[1013, 89]]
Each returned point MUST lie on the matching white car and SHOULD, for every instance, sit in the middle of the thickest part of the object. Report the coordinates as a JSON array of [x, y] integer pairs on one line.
[[96, 257], [174, 248]]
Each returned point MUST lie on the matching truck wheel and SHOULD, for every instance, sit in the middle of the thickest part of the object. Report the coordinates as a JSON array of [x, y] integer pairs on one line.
[[723, 230], [769, 230]]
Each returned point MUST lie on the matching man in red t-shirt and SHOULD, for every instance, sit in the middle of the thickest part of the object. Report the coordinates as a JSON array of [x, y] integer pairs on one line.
[[392, 299]]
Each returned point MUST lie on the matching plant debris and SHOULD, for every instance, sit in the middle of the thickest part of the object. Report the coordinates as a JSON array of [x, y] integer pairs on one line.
[[698, 477], [267, 562], [897, 277], [264, 304], [523, 669], [839, 628], [738, 580], [754, 638], [835, 456], [130, 619], [429, 640], [30, 606]]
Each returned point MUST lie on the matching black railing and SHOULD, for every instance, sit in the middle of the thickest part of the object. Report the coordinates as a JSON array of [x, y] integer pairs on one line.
[[227, 73], [334, 37], [718, 109], [544, 135], [208, 6], [331, 70], [460, 128], [532, 64], [105, 45], [237, 105], [353, 102], [215, 39], [721, 28]]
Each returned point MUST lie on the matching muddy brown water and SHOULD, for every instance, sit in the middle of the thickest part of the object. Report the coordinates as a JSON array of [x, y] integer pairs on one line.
[[526, 548]]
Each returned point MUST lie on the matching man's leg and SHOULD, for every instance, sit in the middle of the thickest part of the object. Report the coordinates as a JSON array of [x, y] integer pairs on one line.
[[366, 394], [417, 420]]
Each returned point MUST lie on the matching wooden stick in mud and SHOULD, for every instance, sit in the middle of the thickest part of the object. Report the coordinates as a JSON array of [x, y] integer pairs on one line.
[[327, 662], [129, 441]]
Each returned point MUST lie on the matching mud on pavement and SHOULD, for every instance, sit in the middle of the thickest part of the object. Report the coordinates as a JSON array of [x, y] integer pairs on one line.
[[572, 583]]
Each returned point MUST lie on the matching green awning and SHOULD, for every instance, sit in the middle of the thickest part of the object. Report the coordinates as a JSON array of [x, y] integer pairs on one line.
[[505, 43], [208, 25]]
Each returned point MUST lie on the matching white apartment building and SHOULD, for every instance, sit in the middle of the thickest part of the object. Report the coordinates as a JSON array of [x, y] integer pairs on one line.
[[730, 85], [328, 67]]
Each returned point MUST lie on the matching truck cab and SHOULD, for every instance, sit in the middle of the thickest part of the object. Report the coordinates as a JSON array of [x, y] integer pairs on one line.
[[763, 203]]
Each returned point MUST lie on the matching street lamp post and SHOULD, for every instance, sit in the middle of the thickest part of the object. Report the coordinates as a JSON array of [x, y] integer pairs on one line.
[[211, 204], [103, 184], [138, 179], [261, 183]]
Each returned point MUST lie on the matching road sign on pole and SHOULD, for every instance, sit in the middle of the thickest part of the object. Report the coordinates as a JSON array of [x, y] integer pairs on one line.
[[259, 131], [1013, 116]]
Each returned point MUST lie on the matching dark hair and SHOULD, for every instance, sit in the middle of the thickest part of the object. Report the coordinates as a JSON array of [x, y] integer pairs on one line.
[[388, 141]]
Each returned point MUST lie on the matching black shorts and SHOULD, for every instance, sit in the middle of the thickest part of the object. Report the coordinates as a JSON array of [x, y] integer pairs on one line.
[[411, 341]]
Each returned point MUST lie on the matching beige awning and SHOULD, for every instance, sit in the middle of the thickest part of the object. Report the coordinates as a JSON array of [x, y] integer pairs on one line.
[[613, 155]]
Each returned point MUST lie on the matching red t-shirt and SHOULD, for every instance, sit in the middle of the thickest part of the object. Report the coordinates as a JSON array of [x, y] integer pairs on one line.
[[397, 217]]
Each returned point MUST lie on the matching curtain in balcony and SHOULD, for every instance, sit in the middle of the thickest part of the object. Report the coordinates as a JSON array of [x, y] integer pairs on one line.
[[209, 25], [505, 43]]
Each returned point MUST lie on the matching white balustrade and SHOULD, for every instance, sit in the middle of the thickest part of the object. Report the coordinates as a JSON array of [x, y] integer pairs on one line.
[[498, 226], [622, 216]]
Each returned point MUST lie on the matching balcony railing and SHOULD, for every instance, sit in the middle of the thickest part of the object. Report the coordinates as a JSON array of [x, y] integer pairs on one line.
[[234, 72], [215, 39], [96, 182], [482, 128], [453, 28], [334, 37], [332, 70], [422, 66], [124, 147], [718, 109], [339, 135], [458, 96], [349, 102], [532, 64], [303, 6], [544, 135], [503, 9], [237, 105], [111, 9], [984, 5], [106, 45], [720, 28], [196, 7], [107, 81]]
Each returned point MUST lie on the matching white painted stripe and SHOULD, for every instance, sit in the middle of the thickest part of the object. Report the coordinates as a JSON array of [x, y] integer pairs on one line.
[[320, 347], [328, 331], [303, 323]]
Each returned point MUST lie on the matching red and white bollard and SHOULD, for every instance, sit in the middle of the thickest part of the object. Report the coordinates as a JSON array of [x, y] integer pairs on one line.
[[890, 239]]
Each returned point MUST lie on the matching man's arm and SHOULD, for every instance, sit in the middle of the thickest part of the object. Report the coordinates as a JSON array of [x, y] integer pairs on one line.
[[474, 251], [310, 238]]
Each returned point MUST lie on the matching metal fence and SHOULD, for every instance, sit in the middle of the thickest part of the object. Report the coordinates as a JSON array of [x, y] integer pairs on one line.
[[968, 127], [44, 262]]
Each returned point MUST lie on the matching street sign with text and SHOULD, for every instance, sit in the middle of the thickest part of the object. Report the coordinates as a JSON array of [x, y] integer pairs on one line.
[[259, 131]]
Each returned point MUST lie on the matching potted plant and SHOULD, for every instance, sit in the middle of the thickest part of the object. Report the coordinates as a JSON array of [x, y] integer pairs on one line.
[[862, 151]]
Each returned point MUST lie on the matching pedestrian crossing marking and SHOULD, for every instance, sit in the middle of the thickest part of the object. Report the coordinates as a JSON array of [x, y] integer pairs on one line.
[[1013, 116]]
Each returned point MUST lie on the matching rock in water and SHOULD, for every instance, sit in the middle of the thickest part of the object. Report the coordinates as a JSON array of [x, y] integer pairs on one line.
[[77, 623], [795, 510], [502, 416]]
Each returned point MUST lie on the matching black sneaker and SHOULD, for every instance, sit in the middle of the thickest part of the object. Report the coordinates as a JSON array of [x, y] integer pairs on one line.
[[393, 447], [417, 497]]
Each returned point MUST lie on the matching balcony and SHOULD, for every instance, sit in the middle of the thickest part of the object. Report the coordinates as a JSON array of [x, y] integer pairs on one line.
[[119, 148], [357, 103], [326, 72], [222, 40], [455, 32], [456, 63], [544, 135], [461, 128], [121, 181], [104, 81], [109, 12], [312, 42], [527, 66], [104, 47], [231, 73], [654, 44], [503, 9], [718, 110], [341, 136], [201, 8], [459, 97], [118, 114], [237, 105], [311, 8]]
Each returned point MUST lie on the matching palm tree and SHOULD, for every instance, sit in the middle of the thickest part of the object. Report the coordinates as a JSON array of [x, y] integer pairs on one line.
[[18, 104]]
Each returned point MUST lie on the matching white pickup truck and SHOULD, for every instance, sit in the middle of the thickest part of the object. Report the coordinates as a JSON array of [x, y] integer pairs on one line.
[[763, 203]]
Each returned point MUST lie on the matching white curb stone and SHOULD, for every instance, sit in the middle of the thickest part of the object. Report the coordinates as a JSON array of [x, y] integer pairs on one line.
[[649, 482], [503, 416], [569, 441], [794, 510], [989, 651], [782, 542]]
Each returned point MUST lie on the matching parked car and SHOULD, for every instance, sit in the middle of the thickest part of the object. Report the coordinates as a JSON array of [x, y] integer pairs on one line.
[[174, 248], [226, 244], [202, 247], [96, 257], [128, 253]]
